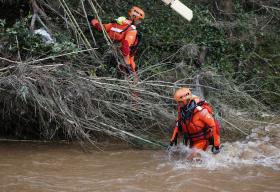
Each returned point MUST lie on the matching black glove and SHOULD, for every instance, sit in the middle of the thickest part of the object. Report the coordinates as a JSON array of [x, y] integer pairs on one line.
[[170, 145], [173, 142], [216, 149], [90, 18]]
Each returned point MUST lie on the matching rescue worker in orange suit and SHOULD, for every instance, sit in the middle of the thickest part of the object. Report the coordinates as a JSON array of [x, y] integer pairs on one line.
[[195, 123], [124, 30]]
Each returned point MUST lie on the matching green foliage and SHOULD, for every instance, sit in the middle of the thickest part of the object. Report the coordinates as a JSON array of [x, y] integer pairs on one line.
[[2, 25], [19, 39], [66, 46]]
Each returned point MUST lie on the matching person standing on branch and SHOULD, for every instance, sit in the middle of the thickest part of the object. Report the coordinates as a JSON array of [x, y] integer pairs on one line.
[[195, 123], [124, 31]]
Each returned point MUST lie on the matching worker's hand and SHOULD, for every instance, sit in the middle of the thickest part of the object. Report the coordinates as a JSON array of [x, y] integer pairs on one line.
[[94, 22], [173, 142], [170, 145], [216, 149]]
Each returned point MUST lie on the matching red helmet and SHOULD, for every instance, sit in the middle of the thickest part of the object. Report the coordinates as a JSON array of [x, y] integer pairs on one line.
[[136, 13], [183, 95]]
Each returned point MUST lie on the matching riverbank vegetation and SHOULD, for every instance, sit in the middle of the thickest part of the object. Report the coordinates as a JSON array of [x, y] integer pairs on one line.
[[70, 88]]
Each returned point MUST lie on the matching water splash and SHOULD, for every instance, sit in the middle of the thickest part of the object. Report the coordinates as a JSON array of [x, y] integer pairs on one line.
[[260, 148]]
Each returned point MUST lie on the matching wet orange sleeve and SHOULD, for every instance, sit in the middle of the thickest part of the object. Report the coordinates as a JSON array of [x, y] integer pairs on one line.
[[107, 26], [132, 63], [174, 134], [208, 119], [96, 24]]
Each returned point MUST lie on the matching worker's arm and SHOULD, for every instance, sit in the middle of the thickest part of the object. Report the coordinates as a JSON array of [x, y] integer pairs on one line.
[[126, 44], [177, 129], [174, 137], [97, 26], [208, 119], [128, 41]]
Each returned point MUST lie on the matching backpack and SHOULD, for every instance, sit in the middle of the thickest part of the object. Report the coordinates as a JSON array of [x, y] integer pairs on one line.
[[205, 105]]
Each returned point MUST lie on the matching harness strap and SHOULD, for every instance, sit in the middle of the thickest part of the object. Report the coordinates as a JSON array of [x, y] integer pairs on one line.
[[122, 31], [126, 28], [204, 132]]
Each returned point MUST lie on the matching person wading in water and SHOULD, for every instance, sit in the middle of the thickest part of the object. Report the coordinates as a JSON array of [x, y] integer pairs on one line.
[[195, 123]]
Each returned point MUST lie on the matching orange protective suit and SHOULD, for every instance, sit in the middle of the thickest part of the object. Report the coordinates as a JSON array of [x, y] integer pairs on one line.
[[126, 34], [200, 129]]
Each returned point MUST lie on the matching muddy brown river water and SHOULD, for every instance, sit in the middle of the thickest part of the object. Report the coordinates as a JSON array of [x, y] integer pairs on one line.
[[252, 165]]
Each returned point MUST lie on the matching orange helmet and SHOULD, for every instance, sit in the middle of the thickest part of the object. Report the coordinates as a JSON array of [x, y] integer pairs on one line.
[[183, 95], [136, 13]]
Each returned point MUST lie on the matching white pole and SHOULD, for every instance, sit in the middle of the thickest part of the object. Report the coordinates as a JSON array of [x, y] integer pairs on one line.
[[180, 8]]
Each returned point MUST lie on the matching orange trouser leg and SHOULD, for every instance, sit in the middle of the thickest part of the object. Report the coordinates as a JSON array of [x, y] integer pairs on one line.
[[129, 60], [132, 63], [133, 68], [202, 145]]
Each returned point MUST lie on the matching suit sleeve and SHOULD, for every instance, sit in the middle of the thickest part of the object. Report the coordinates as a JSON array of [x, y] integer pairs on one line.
[[176, 131], [208, 119], [128, 41], [174, 135], [96, 25]]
